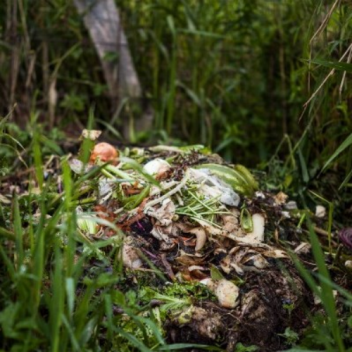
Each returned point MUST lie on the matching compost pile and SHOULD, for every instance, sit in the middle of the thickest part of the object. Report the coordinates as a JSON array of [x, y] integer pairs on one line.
[[187, 214]]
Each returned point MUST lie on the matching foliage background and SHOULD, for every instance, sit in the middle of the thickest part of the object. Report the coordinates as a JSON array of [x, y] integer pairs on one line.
[[232, 75]]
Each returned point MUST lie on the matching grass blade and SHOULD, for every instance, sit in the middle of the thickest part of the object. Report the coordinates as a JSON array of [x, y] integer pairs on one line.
[[18, 231], [341, 66], [345, 144]]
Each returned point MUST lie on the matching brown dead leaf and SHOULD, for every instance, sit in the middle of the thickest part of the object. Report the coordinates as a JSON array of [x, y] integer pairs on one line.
[[275, 253], [280, 198]]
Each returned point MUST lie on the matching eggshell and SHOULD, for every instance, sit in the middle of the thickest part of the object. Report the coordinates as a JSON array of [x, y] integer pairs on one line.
[[156, 166]]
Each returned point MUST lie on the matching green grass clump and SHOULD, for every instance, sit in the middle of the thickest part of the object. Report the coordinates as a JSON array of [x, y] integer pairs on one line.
[[59, 290]]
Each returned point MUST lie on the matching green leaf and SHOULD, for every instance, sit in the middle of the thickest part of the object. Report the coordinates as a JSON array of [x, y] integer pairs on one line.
[[246, 220], [130, 163], [18, 230], [182, 346], [345, 144], [132, 339], [242, 348], [88, 331], [37, 154], [341, 66], [215, 273], [70, 294], [7, 234], [57, 300], [8, 318], [135, 200]]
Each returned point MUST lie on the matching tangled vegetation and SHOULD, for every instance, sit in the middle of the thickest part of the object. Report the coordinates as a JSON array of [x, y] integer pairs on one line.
[[262, 83]]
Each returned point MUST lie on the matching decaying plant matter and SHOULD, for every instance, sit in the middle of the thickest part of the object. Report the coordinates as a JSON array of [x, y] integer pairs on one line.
[[200, 221], [201, 244]]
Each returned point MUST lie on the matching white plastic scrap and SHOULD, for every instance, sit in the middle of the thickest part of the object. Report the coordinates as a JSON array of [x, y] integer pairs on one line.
[[291, 205], [286, 214], [78, 167], [320, 211], [211, 186]]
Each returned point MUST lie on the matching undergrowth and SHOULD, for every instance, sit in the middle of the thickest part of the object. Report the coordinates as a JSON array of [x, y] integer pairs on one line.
[[61, 291], [234, 76]]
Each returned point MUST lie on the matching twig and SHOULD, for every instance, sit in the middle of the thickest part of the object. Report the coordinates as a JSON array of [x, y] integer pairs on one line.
[[168, 267], [325, 22], [320, 231], [344, 74], [305, 105]]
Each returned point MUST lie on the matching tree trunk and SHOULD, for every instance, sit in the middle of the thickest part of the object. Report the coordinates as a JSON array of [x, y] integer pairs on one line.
[[102, 19]]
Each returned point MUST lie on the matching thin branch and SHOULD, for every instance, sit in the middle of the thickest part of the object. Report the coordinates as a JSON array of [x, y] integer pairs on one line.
[[305, 105], [325, 22]]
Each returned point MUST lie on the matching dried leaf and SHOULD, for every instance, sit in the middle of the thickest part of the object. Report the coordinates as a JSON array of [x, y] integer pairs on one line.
[[275, 253], [93, 135], [231, 223], [201, 237], [257, 260], [280, 198], [303, 248], [164, 214], [4, 200]]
